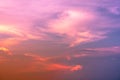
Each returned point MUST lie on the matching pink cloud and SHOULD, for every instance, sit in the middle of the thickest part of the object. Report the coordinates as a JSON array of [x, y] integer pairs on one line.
[[79, 55], [36, 57], [76, 68], [114, 49], [34, 63], [76, 24], [92, 52], [46, 64], [114, 10], [70, 57], [55, 67], [71, 22], [17, 33]]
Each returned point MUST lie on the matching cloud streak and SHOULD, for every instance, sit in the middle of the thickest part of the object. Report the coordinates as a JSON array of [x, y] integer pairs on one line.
[[34, 63]]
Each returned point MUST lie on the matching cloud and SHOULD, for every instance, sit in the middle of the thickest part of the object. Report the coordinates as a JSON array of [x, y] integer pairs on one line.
[[115, 10], [36, 20], [36, 57], [5, 50], [92, 52], [48, 27], [47, 64], [33, 63], [74, 25], [76, 68], [70, 57], [16, 34], [4, 53], [79, 55], [114, 49], [56, 67]]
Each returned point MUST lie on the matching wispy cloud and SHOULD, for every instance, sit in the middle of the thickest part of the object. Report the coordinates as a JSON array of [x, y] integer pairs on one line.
[[35, 63], [76, 24], [114, 49], [55, 67]]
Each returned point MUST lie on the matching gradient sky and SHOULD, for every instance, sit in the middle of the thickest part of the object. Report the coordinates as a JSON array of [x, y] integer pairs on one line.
[[59, 40]]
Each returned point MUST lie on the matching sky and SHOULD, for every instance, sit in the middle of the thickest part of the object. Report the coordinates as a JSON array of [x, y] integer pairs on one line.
[[59, 40]]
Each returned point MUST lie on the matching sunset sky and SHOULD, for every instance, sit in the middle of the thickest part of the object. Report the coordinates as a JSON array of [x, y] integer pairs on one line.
[[59, 39]]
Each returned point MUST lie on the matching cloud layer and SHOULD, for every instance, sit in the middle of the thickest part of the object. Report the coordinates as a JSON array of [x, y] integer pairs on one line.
[[75, 24]]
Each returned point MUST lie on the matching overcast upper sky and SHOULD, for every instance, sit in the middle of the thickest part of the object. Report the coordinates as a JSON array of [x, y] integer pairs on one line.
[[59, 39]]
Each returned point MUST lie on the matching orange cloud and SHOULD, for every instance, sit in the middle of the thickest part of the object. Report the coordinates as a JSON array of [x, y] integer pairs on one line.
[[44, 64], [5, 50], [53, 67], [76, 68], [4, 53], [36, 57], [17, 35]]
